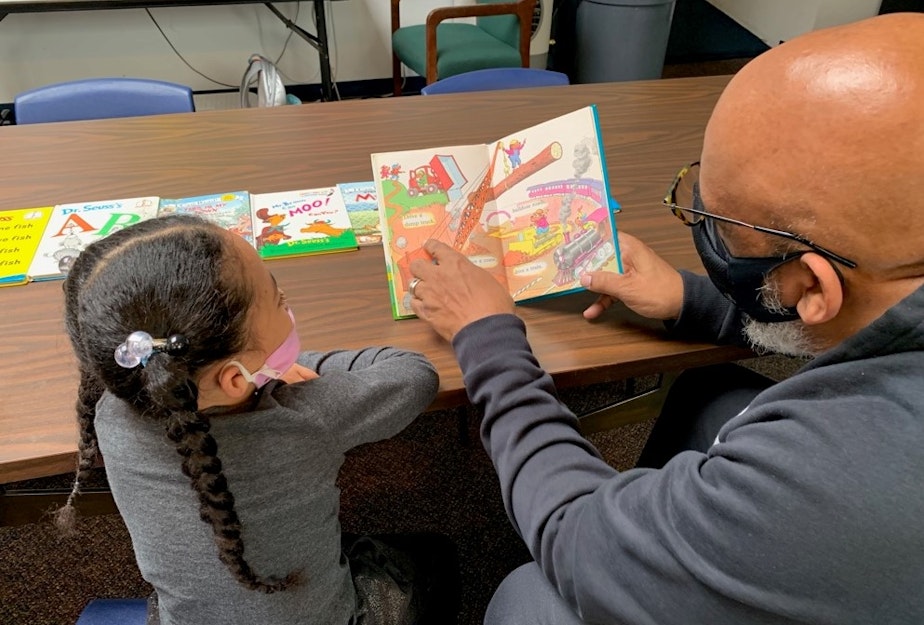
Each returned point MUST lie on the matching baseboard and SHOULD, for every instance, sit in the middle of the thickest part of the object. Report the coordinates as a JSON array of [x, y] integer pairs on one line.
[[346, 90], [356, 89], [20, 507]]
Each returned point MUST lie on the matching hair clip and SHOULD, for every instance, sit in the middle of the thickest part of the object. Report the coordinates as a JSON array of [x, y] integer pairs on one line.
[[138, 347]]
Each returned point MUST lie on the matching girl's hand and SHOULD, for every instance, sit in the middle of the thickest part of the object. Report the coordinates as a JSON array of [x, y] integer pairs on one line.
[[298, 373]]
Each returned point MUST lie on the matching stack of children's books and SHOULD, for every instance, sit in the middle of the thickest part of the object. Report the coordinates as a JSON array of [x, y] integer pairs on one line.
[[41, 243]]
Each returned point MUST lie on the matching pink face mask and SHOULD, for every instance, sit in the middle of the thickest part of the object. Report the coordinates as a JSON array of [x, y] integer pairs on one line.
[[277, 363]]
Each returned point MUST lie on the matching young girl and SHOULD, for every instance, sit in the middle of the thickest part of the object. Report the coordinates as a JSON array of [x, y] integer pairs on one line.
[[222, 441]]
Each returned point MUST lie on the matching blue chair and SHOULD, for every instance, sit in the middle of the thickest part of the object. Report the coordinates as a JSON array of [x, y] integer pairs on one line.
[[114, 612], [101, 98], [497, 78]]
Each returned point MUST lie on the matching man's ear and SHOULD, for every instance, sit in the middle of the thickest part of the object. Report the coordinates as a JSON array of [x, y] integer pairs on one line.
[[822, 292]]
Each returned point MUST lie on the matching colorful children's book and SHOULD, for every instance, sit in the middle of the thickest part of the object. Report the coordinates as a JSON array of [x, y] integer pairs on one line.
[[532, 208], [72, 227], [20, 233], [298, 223], [231, 210], [363, 210]]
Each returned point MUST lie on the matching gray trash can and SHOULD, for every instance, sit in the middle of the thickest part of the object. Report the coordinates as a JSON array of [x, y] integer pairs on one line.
[[621, 39]]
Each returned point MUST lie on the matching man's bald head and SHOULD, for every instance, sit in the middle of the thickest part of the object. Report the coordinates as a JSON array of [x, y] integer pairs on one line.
[[824, 136]]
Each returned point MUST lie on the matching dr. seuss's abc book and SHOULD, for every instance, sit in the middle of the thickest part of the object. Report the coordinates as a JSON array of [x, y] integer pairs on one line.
[[73, 226]]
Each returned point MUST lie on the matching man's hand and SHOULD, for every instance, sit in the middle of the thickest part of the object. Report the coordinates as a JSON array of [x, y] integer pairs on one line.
[[453, 292], [648, 285]]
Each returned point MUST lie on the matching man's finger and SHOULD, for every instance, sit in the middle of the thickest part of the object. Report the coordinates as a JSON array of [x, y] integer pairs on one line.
[[419, 309], [422, 268], [438, 250], [597, 308], [603, 282]]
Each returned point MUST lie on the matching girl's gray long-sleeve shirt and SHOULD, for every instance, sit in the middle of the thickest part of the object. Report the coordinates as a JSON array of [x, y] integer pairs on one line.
[[281, 460]]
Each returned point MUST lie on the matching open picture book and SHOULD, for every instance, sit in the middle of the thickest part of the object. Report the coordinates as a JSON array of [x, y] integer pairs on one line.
[[533, 208]]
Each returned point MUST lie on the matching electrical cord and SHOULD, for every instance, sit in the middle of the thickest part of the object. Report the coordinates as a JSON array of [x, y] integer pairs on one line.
[[177, 52], [332, 37], [285, 46], [332, 50]]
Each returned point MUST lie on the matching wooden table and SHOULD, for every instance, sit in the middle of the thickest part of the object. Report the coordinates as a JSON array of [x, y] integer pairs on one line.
[[340, 300]]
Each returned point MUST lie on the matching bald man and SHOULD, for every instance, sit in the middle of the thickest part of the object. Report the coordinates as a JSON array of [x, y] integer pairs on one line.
[[805, 500]]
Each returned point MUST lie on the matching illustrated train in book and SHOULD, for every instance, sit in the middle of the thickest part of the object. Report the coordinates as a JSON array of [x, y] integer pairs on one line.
[[532, 208]]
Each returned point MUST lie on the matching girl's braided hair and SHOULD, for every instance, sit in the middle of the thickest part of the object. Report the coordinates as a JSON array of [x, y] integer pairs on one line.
[[165, 276]]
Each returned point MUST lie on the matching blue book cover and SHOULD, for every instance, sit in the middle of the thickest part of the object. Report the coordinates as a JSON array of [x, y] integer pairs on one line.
[[229, 210], [363, 209]]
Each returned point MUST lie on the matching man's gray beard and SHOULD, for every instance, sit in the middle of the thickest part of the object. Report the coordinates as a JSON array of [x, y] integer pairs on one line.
[[789, 338]]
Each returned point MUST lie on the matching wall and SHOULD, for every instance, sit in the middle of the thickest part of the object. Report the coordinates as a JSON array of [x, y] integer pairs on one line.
[[38, 49], [781, 20]]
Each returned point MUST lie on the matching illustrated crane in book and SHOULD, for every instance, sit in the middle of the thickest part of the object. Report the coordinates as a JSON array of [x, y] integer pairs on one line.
[[486, 191]]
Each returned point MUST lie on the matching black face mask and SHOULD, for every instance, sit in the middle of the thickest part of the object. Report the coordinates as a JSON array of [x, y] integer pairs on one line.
[[739, 279]]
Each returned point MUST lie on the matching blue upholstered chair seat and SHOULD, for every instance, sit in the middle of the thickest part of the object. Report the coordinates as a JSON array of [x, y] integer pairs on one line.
[[460, 48], [495, 78], [115, 612]]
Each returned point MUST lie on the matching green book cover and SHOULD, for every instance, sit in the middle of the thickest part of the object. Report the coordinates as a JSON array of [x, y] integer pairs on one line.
[[299, 223]]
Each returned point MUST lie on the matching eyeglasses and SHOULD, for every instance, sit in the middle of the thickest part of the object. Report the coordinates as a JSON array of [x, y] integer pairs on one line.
[[684, 193]]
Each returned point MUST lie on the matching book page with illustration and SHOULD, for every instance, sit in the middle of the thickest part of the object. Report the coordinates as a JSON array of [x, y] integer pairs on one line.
[[532, 208]]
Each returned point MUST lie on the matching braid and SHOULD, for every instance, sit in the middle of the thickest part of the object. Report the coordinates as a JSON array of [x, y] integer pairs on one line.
[[189, 431], [88, 394]]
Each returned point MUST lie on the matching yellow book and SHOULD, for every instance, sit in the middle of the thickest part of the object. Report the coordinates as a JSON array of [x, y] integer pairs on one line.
[[20, 233]]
